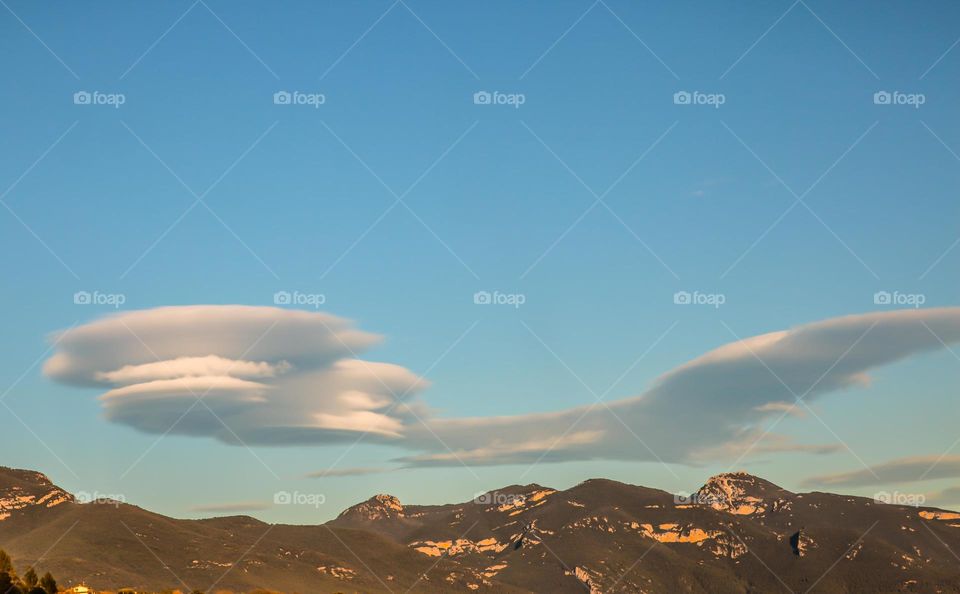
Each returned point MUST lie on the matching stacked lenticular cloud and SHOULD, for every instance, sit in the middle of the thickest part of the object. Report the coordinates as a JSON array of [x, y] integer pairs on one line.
[[257, 374]]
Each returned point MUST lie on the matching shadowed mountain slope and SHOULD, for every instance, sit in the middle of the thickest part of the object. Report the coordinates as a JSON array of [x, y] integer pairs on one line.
[[737, 533]]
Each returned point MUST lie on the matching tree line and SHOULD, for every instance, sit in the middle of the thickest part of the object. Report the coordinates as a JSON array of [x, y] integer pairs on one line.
[[29, 583]]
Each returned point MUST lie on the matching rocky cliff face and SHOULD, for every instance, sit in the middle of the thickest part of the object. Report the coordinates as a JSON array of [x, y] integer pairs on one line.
[[22, 489]]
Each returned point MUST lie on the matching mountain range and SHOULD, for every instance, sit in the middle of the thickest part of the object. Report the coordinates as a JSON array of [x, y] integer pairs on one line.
[[737, 533]]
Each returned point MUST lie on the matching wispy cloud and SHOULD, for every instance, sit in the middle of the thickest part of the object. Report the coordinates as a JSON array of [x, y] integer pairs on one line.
[[949, 496], [355, 471], [901, 470]]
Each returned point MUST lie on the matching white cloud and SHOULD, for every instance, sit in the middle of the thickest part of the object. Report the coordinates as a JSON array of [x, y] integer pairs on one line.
[[303, 340], [353, 471], [278, 376], [901, 470], [500, 451], [211, 365], [702, 408], [789, 408], [265, 375]]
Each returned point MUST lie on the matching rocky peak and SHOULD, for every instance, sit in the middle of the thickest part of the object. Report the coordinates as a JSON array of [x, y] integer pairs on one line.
[[380, 506], [17, 475], [21, 489], [741, 493], [388, 501]]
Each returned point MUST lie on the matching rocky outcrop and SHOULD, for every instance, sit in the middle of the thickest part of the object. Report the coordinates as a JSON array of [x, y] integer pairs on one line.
[[801, 543], [741, 494], [588, 580], [939, 515], [21, 489], [378, 507]]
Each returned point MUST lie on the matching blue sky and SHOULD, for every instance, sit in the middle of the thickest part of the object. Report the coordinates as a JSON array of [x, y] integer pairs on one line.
[[499, 209]]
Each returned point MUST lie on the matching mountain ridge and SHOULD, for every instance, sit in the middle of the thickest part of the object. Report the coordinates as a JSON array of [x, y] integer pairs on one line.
[[736, 533]]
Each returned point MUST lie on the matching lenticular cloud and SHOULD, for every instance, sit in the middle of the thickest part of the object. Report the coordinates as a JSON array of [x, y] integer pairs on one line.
[[263, 375], [250, 374]]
